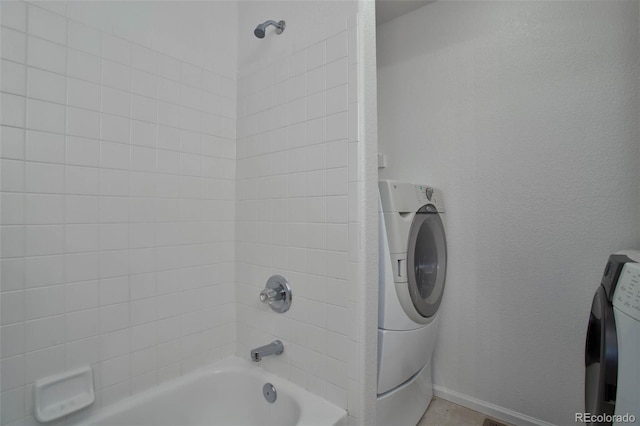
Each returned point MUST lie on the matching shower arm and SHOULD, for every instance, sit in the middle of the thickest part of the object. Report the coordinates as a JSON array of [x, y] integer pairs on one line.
[[279, 25]]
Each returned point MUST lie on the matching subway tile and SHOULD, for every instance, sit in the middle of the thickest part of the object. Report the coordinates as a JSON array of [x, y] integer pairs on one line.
[[81, 238], [114, 290], [12, 212], [13, 44], [144, 59], [12, 303], [14, 15], [144, 109], [116, 49], [44, 302], [43, 271], [12, 340], [45, 147], [115, 129], [81, 267], [46, 86], [337, 209], [169, 67], [337, 73], [114, 317], [13, 372], [81, 209], [11, 274], [81, 295], [114, 236], [337, 46], [81, 180], [43, 333], [116, 75], [12, 142], [13, 110], [316, 55], [316, 80], [82, 122], [115, 370], [42, 209], [143, 336], [12, 406], [143, 83], [45, 116], [82, 151], [316, 105], [337, 127], [337, 99], [83, 37], [44, 178], [114, 155], [46, 55], [168, 90], [114, 263], [82, 352], [84, 66], [168, 115], [116, 102], [14, 77], [82, 324], [143, 134], [143, 159], [114, 209], [190, 75], [44, 240], [83, 94], [47, 25], [114, 344]]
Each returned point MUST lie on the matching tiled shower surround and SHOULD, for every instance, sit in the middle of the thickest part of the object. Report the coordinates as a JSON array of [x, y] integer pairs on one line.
[[118, 169], [296, 208], [138, 228]]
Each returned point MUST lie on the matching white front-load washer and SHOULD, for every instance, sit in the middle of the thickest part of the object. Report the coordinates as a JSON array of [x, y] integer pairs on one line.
[[612, 349], [412, 272]]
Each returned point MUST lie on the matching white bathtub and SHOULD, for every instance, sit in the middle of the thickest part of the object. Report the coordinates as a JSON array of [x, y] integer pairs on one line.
[[226, 393]]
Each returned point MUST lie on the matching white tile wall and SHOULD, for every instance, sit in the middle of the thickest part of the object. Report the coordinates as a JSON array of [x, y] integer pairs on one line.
[[118, 186], [296, 175]]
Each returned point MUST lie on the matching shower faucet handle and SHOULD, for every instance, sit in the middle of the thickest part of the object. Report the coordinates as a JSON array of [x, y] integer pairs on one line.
[[268, 295], [277, 293]]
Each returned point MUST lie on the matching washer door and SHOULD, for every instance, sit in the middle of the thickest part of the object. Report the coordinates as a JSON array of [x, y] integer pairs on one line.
[[601, 358], [427, 261]]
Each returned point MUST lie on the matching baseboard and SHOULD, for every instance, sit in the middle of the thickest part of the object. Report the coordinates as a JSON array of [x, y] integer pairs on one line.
[[491, 410]]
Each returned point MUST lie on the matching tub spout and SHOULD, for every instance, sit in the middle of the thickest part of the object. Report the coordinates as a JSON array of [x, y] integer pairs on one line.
[[274, 348]]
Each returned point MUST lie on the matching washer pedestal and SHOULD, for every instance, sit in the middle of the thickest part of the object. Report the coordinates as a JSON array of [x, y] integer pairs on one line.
[[406, 404]]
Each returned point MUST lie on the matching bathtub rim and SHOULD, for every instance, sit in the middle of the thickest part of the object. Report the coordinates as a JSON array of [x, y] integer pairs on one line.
[[314, 410]]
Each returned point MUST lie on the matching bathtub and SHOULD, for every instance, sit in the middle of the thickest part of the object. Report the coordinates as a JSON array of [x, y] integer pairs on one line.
[[228, 392]]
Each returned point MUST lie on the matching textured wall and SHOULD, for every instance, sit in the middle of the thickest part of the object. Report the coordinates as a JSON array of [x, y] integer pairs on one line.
[[118, 168], [297, 190], [526, 115]]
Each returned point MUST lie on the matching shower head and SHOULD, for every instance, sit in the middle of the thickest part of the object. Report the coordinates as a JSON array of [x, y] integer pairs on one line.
[[260, 29]]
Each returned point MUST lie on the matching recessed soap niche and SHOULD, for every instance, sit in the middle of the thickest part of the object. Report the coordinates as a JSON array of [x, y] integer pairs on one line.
[[62, 394]]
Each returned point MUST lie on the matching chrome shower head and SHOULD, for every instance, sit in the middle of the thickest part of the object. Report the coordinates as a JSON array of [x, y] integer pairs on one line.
[[260, 29]]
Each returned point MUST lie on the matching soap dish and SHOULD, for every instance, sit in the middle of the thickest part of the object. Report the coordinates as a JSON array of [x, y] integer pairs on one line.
[[61, 394]]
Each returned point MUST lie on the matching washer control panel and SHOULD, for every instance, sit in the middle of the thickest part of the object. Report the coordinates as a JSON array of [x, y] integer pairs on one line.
[[428, 195], [404, 197], [626, 296]]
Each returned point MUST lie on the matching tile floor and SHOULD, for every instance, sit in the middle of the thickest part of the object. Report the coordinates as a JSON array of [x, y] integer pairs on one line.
[[444, 413]]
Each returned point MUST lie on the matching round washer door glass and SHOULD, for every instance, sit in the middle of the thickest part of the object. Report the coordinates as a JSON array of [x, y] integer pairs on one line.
[[427, 262]]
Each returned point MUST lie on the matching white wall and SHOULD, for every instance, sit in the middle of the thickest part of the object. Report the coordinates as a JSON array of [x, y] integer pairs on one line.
[[297, 174], [526, 115], [118, 171]]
